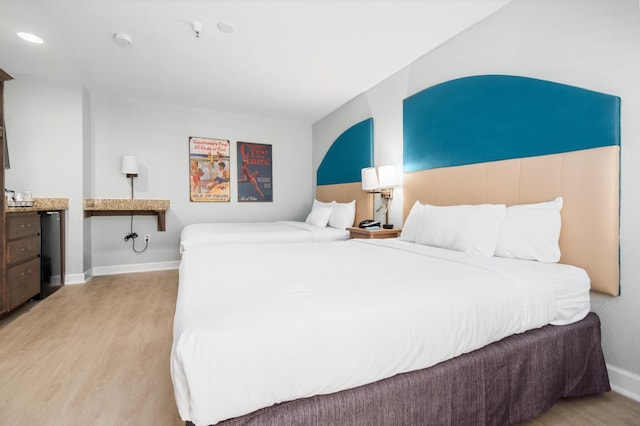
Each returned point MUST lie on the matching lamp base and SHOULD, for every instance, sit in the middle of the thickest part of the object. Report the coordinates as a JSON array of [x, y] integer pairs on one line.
[[387, 226]]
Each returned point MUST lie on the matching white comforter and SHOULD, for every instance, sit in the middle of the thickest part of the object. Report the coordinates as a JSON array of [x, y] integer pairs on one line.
[[283, 231], [261, 324]]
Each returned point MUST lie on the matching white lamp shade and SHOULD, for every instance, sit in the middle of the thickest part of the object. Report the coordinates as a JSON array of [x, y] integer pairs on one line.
[[387, 176], [129, 165], [369, 179]]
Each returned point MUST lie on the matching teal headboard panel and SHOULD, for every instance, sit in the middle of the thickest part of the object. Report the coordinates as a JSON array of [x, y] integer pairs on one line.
[[351, 152], [497, 117]]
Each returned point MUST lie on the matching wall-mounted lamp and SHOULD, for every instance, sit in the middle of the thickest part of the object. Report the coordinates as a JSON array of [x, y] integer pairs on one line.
[[369, 179], [130, 168], [381, 182]]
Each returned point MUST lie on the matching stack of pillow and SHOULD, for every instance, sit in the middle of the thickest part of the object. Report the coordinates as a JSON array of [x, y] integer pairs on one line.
[[333, 214], [525, 231]]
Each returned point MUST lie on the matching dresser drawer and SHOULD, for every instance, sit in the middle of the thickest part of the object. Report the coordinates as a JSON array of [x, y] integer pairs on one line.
[[23, 282], [21, 250], [22, 225]]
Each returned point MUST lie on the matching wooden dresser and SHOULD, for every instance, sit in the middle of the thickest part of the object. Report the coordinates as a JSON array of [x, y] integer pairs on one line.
[[22, 258]]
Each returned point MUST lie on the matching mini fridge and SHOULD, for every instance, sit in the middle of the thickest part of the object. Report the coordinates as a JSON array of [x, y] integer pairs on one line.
[[50, 253]]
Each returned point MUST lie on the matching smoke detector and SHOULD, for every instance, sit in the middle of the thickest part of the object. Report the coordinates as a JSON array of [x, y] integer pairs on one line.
[[122, 39], [226, 27], [197, 27]]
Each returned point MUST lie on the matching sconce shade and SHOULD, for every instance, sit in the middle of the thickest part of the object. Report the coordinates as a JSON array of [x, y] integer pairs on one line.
[[129, 165], [387, 177], [369, 179]]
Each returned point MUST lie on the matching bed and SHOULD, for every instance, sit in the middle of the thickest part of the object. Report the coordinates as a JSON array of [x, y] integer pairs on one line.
[[415, 330], [327, 221], [203, 234], [249, 338]]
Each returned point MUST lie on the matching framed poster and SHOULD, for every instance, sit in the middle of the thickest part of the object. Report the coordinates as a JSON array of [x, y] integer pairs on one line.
[[254, 172], [209, 169]]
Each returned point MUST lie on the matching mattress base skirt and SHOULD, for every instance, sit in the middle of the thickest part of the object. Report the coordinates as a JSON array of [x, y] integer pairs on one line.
[[513, 380]]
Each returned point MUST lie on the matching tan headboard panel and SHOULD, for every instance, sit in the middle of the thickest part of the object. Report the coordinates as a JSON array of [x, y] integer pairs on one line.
[[346, 192], [587, 180]]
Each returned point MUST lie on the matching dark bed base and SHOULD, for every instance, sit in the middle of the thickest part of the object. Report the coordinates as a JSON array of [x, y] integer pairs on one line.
[[515, 379]]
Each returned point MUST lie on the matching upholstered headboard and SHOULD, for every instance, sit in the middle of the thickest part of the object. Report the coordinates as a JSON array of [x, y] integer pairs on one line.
[[339, 174], [515, 140]]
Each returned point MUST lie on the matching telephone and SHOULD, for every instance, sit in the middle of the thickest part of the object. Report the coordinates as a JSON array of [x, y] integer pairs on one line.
[[367, 223]]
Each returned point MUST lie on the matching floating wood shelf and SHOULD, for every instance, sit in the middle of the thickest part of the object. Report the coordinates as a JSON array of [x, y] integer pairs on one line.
[[123, 207]]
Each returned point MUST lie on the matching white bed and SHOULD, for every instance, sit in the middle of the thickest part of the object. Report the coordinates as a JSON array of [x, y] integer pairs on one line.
[[282, 231], [370, 310], [327, 221]]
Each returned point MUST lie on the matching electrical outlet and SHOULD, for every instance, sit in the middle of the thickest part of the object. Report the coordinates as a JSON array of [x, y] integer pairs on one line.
[[147, 238]]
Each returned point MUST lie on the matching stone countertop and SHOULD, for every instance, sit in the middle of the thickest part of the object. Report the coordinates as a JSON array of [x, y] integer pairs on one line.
[[43, 204], [124, 204]]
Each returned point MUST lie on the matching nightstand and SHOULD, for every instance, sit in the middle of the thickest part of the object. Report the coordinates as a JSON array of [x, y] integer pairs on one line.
[[377, 234]]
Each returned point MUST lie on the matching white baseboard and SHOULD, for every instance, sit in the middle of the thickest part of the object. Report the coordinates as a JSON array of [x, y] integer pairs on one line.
[[624, 382], [70, 279], [138, 267]]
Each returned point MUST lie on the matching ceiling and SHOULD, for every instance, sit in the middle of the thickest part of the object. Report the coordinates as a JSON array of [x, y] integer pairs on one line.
[[291, 60]]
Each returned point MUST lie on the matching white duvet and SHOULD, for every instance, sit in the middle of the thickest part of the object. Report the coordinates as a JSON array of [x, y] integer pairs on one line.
[[283, 231], [260, 324]]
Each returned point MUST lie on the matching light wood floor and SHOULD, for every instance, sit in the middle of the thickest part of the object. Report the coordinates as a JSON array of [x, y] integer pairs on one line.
[[98, 354], [92, 354]]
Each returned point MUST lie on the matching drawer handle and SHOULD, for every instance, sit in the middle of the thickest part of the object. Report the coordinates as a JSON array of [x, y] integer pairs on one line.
[[28, 225], [25, 248], [25, 273]]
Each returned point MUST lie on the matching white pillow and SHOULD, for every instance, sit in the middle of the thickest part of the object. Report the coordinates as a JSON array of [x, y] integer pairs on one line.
[[467, 228], [531, 232], [411, 225], [342, 215], [319, 217], [317, 203]]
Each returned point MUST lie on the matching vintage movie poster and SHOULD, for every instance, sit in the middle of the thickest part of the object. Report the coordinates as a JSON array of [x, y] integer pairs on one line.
[[255, 182], [209, 169]]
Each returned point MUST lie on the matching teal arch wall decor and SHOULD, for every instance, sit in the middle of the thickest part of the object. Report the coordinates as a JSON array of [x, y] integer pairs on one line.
[[497, 117], [349, 153]]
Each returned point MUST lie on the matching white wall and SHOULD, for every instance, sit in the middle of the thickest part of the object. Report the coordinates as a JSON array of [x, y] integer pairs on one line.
[[593, 44], [67, 142], [44, 133], [158, 135]]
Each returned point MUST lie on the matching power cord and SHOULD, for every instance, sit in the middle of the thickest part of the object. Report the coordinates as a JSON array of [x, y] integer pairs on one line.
[[132, 236]]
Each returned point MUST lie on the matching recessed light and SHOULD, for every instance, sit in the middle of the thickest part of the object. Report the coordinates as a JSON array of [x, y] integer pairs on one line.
[[31, 38], [226, 27]]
